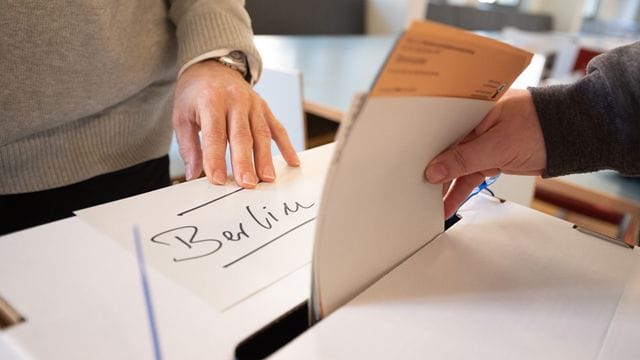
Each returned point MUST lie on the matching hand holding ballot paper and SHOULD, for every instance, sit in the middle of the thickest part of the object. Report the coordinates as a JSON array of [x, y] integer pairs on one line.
[[376, 209], [508, 140], [586, 126]]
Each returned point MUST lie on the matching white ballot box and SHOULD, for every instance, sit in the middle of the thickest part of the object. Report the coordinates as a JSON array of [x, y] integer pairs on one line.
[[505, 282]]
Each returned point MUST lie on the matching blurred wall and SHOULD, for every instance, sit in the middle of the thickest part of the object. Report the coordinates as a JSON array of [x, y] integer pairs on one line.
[[567, 14], [392, 16], [307, 17]]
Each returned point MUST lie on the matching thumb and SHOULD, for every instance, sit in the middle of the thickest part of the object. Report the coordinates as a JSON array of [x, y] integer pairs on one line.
[[463, 159]]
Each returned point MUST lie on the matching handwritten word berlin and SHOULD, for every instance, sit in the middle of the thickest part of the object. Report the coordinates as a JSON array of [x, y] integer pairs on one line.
[[187, 241]]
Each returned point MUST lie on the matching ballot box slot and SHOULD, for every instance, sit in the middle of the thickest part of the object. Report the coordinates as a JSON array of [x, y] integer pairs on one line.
[[287, 327], [451, 221], [8, 315], [275, 335]]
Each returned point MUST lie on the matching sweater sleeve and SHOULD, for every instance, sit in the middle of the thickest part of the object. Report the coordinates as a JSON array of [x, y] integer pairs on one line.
[[203, 26], [594, 124]]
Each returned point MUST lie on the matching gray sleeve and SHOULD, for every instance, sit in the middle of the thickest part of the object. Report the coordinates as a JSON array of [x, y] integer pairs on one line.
[[594, 124], [207, 25]]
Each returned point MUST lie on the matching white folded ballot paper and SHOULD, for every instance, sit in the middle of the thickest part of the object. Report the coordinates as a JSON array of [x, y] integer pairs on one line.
[[377, 209]]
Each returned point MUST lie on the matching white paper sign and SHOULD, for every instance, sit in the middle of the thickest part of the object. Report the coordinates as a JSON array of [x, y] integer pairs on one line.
[[224, 243]]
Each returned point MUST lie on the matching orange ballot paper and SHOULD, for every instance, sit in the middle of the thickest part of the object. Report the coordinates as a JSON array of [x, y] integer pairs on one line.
[[376, 208], [431, 59]]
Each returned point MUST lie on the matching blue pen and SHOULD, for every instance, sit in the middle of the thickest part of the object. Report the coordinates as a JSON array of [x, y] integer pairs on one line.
[[147, 294]]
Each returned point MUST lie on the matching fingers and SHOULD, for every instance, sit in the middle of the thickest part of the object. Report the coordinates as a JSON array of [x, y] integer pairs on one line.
[[459, 191], [480, 154], [508, 138], [261, 144], [241, 143], [188, 143], [214, 142], [472, 154], [249, 133], [280, 136], [224, 108], [466, 157], [445, 188], [489, 120]]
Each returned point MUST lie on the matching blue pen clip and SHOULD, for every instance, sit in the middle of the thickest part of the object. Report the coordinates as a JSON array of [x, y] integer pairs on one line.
[[484, 186]]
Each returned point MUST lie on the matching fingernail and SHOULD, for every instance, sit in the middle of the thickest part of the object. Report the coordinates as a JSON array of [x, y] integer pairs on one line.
[[249, 180], [268, 174], [436, 173], [219, 177], [188, 172]]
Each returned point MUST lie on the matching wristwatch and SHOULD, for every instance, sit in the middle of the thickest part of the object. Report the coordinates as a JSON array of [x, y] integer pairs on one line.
[[237, 61]]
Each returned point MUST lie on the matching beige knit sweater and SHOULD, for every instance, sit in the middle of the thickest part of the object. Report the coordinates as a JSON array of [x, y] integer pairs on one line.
[[86, 86]]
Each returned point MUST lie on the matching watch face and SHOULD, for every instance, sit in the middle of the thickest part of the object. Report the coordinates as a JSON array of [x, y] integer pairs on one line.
[[236, 60], [237, 56]]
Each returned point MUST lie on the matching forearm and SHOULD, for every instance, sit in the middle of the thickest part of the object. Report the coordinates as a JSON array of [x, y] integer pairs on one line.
[[594, 124]]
